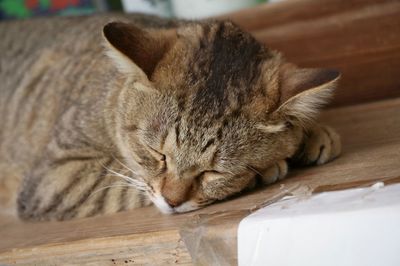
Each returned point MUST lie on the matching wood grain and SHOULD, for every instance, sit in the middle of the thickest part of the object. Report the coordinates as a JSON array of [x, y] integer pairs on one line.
[[371, 139], [361, 38]]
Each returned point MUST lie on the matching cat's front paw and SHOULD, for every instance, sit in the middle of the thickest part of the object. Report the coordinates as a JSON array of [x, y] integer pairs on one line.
[[322, 144], [276, 172]]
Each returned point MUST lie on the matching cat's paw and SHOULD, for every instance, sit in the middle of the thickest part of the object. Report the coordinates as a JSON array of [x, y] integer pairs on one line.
[[322, 144], [276, 172]]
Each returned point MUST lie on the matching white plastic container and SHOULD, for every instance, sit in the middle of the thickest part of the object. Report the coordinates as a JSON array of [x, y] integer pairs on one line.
[[355, 227]]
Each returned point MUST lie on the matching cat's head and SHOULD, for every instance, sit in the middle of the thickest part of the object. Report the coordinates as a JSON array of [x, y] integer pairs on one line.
[[204, 107]]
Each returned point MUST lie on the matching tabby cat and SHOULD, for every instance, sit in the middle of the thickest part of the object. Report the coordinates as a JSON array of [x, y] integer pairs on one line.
[[176, 113]]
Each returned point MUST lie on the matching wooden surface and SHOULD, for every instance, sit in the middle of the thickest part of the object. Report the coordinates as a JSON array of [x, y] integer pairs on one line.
[[371, 140], [361, 38]]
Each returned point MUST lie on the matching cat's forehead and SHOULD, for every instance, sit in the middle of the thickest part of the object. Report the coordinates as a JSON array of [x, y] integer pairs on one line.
[[223, 71], [209, 142]]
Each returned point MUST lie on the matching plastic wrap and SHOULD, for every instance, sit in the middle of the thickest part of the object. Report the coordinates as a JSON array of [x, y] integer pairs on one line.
[[211, 238]]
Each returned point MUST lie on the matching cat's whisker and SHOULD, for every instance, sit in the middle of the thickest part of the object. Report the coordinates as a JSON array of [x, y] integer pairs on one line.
[[111, 186], [139, 184], [133, 182], [127, 178], [114, 172], [142, 189], [137, 177], [204, 203], [255, 171], [124, 165]]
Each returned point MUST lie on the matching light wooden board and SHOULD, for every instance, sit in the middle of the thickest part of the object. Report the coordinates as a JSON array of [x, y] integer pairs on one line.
[[361, 38], [371, 140]]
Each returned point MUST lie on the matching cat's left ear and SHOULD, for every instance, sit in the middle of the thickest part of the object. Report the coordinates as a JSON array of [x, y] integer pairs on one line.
[[303, 91], [135, 51]]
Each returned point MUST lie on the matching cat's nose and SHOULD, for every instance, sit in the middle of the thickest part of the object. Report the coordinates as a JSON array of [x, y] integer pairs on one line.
[[172, 203], [176, 191]]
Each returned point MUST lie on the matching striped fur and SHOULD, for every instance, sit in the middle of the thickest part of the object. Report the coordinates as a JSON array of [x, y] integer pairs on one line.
[[196, 115]]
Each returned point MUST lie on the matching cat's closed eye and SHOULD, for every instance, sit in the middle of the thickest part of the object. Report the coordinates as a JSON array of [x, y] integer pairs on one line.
[[157, 154], [209, 176], [206, 174]]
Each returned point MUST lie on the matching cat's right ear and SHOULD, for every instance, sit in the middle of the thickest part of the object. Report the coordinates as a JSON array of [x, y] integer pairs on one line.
[[303, 91], [135, 51]]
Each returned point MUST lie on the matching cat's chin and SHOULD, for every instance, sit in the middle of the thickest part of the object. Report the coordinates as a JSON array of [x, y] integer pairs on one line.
[[187, 206], [162, 205], [165, 208]]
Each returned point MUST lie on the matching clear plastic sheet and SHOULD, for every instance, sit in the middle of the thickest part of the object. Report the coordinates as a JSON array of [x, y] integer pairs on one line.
[[211, 238]]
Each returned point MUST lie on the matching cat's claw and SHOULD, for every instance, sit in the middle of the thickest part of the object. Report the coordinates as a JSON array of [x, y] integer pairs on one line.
[[276, 172], [321, 146]]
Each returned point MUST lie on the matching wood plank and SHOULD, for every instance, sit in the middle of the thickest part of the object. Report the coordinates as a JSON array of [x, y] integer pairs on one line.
[[287, 12], [371, 138], [163, 248], [360, 38]]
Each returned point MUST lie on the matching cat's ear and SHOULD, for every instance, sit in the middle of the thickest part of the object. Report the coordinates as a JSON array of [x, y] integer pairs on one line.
[[135, 50], [303, 91]]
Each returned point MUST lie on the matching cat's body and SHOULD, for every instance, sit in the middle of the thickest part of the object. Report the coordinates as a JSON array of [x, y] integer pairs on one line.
[[47, 77], [65, 116]]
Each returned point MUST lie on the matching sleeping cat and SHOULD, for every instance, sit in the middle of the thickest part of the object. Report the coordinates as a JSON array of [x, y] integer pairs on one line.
[[179, 114]]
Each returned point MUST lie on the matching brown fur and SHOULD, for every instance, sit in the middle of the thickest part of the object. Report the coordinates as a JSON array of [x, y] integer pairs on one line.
[[187, 114]]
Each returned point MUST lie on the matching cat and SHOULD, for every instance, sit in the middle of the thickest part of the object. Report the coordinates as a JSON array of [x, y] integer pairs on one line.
[[102, 114]]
